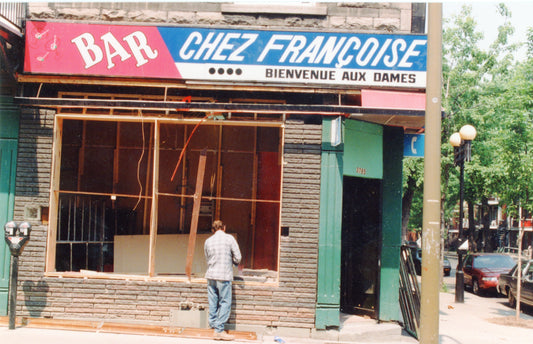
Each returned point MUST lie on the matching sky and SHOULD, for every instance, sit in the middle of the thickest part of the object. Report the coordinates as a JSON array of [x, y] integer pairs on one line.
[[488, 19]]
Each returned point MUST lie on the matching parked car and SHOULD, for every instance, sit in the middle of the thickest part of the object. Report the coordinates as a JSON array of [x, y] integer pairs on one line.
[[481, 270], [511, 251], [507, 284]]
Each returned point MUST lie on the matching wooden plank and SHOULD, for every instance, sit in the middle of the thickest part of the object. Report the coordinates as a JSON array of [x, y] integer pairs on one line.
[[151, 118], [54, 196], [147, 180], [195, 212], [219, 173], [184, 181], [116, 159], [155, 200], [122, 328], [254, 203]]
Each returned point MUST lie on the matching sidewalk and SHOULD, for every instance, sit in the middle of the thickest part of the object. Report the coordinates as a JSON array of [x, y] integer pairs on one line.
[[476, 321]]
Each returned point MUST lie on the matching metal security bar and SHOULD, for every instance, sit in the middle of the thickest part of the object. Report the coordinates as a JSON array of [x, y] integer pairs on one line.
[[409, 292], [84, 234]]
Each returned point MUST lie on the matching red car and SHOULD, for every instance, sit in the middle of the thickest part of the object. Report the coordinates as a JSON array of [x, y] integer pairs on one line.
[[481, 270]]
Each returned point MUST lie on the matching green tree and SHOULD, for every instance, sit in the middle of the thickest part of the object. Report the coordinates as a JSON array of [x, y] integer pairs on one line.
[[474, 80], [513, 140]]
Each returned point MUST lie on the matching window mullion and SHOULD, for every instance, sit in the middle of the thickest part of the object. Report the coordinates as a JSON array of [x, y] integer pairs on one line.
[[155, 200]]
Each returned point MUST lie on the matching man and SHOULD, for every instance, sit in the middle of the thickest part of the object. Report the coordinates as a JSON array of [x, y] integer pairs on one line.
[[221, 252]]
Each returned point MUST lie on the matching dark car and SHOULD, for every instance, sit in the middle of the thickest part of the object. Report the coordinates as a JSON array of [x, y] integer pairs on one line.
[[507, 284], [481, 270]]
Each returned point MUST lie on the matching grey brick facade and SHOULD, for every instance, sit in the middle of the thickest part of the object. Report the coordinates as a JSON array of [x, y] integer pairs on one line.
[[291, 303]]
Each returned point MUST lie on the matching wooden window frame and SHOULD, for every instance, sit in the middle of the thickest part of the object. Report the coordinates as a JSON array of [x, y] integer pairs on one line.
[[50, 259]]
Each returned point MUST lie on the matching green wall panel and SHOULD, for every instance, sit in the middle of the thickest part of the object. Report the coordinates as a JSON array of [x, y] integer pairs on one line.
[[329, 246], [9, 128], [8, 159], [389, 307], [363, 149], [9, 118]]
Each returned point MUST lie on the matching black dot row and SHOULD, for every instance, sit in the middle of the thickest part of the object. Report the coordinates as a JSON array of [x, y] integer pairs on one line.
[[222, 71]]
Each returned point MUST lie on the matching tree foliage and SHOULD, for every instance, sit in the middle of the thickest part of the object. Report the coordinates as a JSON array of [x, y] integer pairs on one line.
[[491, 91]]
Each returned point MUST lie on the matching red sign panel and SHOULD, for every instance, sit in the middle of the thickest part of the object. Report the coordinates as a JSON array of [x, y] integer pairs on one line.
[[90, 49]]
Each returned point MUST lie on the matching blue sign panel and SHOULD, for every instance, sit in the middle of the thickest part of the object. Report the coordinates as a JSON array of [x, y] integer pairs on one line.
[[305, 57], [413, 145]]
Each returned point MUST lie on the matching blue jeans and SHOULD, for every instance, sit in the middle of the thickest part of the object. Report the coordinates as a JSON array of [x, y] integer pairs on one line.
[[219, 298]]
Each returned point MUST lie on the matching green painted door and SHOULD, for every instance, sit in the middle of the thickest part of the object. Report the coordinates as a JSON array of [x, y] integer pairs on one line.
[[8, 159], [9, 129]]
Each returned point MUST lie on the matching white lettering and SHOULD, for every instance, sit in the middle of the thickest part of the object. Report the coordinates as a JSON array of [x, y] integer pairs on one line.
[[137, 41], [370, 42], [85, 45], [391, 62], [208, 45], [294, 47], [271, 45], [184, 54], [225, 46], [411, 52], [343, 61], [311, 51], [110, 40], [330, 50], [250, 38], [381, 52]]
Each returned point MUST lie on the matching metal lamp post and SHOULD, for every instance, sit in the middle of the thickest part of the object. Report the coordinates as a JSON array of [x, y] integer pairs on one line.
[[461, 143]]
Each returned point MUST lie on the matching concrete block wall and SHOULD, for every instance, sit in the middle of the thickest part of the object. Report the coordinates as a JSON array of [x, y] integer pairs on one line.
[[291, 303], [393, 17]]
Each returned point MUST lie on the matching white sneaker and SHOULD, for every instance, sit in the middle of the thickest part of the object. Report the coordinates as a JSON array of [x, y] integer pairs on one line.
[[223, 336]]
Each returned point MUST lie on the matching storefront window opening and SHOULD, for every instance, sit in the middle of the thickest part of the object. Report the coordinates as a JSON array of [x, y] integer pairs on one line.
[[105, 192]]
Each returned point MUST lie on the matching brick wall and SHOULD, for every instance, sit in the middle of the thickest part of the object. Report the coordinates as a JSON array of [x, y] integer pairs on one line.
[[350, 16], [289, 304]]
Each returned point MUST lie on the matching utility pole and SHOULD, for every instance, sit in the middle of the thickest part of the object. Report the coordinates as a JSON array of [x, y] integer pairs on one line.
[[429, 301]]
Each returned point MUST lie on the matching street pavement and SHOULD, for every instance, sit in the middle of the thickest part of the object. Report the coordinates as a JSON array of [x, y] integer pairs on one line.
[[479, 320]]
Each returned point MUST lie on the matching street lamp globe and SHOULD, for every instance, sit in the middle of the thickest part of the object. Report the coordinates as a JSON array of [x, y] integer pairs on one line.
[[468, 132], [455, 139]]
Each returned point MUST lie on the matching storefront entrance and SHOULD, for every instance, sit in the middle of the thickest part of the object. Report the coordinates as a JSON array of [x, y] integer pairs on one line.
[[361, 242]]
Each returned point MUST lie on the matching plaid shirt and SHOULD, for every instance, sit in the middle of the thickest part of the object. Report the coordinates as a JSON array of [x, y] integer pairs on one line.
[[221, 251]]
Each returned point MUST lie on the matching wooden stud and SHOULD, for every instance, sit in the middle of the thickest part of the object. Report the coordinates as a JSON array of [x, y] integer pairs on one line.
[[54, 195], [195, 212], [116, 158], [184, 182], [155, 200], [219, 172], [254, 196], [146, 192]]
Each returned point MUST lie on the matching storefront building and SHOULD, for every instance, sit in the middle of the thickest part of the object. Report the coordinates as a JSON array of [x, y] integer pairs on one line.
[[142, 123]]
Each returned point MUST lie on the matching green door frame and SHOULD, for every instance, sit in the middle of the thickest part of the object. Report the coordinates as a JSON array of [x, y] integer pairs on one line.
[[329, 246], [391, 219], [329, 237], [9, 125]]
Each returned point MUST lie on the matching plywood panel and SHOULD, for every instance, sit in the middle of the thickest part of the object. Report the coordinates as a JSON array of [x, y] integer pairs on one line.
[[131, 254]]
